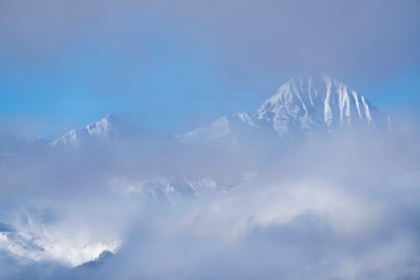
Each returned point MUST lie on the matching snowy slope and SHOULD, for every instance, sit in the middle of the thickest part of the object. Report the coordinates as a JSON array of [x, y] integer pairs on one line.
[[107, 130], [236, 125], [102, 131]]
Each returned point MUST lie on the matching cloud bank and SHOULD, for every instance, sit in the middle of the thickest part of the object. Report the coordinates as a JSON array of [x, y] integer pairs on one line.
[[332, 209]]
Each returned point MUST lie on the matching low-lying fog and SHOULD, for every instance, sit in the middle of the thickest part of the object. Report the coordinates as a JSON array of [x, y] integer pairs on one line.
[[334, 208]]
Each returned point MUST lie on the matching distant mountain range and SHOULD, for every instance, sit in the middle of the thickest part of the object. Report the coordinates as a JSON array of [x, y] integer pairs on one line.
[[307, 106]]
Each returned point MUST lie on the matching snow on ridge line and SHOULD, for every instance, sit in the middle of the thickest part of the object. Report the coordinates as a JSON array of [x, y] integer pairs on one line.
[[103, 131], [76, 136], [216, 129], [222, 127]]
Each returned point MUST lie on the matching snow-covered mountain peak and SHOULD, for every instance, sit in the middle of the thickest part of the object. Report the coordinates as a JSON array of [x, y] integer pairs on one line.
[[309, 104], [311, 101], [109, 130], [102, 131]]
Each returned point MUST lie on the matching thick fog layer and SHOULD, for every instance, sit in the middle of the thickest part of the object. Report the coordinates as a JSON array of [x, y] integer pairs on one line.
[[334, 208], [369, 37]]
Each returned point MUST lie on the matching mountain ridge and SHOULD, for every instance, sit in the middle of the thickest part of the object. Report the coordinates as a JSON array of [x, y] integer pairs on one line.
[[309, 104]]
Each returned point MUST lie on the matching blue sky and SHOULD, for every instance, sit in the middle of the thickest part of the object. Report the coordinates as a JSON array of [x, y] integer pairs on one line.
[[174, 68], [161, 90]]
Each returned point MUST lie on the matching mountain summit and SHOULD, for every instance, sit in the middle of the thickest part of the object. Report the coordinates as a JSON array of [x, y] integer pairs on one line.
[[105, 130], [312, 101], [309, 104]]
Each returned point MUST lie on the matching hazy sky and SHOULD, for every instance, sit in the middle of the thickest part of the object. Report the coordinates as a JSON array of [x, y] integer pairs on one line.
[[175, 65]]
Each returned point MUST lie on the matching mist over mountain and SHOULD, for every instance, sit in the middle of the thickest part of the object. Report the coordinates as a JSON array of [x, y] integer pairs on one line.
[[316, 183]]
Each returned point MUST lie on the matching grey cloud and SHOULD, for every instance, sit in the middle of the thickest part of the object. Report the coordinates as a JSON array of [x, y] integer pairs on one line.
[[329, 210], [348, 38]]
